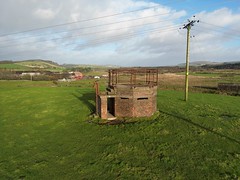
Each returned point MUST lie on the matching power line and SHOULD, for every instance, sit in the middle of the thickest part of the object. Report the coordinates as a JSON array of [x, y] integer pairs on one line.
[[120, 38], [149, 30], [80, 21], [92, 26], [84, 34], [106, 16], [220, 27], [96, 18], [103, 40], [89, 27], [214, 31], [117, 38]]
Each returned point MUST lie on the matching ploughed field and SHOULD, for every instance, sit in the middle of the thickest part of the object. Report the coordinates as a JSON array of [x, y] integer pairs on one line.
[[46, 132]]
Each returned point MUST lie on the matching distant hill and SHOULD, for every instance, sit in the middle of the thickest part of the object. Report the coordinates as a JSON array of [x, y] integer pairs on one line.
[[48, 65], [39, 63], [28, 65], [215, 65], [89, 66], [199, 63], [225, 65]]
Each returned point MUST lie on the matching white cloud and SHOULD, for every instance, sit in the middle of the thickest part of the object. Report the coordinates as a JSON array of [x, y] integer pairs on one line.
[[45, 14], [220, 17], [126, 43]]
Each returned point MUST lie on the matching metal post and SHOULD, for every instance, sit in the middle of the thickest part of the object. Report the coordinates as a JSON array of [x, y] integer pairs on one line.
[[109, 78]]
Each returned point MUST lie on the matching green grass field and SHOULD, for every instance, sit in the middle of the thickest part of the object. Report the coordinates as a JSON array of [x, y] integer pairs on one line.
[[31, 66], [45, 134], [12, 66]]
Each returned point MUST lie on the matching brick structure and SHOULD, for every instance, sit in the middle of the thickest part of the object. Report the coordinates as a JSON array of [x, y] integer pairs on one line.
[[130, 93]]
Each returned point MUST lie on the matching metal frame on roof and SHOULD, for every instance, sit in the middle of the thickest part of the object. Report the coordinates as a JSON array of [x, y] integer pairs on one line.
[[133, 77]]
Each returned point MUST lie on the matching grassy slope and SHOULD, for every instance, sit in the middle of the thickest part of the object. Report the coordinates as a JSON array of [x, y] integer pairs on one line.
[[13, 66], [31, 65], [46, 65], [36, 63], [44, 134]]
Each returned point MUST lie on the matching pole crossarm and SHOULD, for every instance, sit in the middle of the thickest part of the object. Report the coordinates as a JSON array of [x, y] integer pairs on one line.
[[190, 24]]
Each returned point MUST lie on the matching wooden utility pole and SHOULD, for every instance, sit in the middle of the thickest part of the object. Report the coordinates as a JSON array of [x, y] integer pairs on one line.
[[188, 27], [187, 63]]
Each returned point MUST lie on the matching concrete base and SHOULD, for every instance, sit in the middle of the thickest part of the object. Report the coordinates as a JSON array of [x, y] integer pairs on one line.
[[110, 117]]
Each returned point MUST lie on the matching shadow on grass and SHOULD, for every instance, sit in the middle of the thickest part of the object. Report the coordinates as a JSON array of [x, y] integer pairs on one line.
[[87, 99], [202, 127]]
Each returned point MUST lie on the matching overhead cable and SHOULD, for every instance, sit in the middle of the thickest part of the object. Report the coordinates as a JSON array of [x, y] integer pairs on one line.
[[85, 20], [85, 34], [89, 27]]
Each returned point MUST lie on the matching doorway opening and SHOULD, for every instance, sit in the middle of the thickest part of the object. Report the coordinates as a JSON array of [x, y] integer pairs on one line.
[[111, 108]]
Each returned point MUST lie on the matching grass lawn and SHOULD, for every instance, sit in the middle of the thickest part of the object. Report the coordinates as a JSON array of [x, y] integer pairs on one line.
[[45, 134]]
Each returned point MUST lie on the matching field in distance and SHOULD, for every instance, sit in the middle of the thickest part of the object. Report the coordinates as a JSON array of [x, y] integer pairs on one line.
[[30, 65]]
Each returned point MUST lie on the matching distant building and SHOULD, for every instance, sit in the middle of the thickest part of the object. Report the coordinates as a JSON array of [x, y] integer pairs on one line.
[[30, 73], [76, 75], [104, 76]]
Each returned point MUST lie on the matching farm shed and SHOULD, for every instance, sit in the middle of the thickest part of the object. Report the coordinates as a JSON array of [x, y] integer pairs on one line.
[[131, 92]]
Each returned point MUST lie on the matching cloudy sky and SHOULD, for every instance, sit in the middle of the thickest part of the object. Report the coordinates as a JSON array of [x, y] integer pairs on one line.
[[122, 32]]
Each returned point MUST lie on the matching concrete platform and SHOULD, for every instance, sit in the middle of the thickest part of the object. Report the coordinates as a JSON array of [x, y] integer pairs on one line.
[[110, 117]]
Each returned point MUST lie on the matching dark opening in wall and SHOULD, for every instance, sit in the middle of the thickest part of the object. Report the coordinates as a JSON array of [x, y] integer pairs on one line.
[[111, 106], [143, 98], [124, 98]]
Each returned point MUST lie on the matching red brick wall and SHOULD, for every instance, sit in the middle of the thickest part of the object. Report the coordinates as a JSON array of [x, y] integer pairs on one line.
[[144, 107], [131, 102], [141, 101], [124, 107], [103, 107]]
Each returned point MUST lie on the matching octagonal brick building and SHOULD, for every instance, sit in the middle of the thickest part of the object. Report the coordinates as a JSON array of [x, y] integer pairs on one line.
[[131, 92]]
